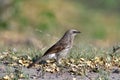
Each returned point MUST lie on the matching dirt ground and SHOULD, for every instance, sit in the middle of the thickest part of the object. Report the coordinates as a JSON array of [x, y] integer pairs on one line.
[[34, 74]]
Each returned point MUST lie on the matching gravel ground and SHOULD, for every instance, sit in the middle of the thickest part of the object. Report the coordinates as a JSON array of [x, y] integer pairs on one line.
[[114, 74]]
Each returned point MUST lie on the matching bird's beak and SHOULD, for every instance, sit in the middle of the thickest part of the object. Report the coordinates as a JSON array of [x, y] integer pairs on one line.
[[77, 32]]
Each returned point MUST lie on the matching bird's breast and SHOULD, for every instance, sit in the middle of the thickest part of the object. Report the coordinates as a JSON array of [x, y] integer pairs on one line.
[[64, 52]]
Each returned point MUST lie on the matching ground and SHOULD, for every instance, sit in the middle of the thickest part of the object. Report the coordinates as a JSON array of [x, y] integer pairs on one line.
[[13, 66], [34, 74]]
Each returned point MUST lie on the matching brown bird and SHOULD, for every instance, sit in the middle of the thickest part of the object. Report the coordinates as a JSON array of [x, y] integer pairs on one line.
[[60, 49]]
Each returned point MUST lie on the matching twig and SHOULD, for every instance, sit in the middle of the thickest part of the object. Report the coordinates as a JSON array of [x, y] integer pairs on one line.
[[116, 49]]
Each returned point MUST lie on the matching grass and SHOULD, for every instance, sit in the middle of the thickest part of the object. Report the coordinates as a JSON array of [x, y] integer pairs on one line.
[[82, 58], [87, 51]]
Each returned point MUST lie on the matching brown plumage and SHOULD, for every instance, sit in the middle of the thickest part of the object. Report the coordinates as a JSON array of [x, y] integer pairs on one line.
[[60, 49]]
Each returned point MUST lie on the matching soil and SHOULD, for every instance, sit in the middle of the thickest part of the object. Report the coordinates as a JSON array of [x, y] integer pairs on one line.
[[35, 74]]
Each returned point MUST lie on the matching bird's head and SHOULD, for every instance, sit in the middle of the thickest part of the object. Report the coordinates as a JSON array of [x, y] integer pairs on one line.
[[73, 32]]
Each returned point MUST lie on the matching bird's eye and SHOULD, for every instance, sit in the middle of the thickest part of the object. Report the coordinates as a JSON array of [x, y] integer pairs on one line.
[[74, 31]]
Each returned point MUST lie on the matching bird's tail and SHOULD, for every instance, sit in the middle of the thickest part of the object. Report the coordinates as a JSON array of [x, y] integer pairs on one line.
[[35, 62], [41, 60]]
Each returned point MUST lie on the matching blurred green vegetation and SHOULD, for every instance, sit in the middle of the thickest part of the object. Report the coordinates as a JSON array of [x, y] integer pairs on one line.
[[97, 19], [3, 25]]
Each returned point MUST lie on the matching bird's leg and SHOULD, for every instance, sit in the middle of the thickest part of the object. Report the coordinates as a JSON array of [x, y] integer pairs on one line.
[[58, 60]]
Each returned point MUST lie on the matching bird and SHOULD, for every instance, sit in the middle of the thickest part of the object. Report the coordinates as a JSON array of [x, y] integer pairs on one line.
[[60, 49]]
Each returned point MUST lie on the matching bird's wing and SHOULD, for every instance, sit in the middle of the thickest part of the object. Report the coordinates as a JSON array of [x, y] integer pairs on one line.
[[56, 48]]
